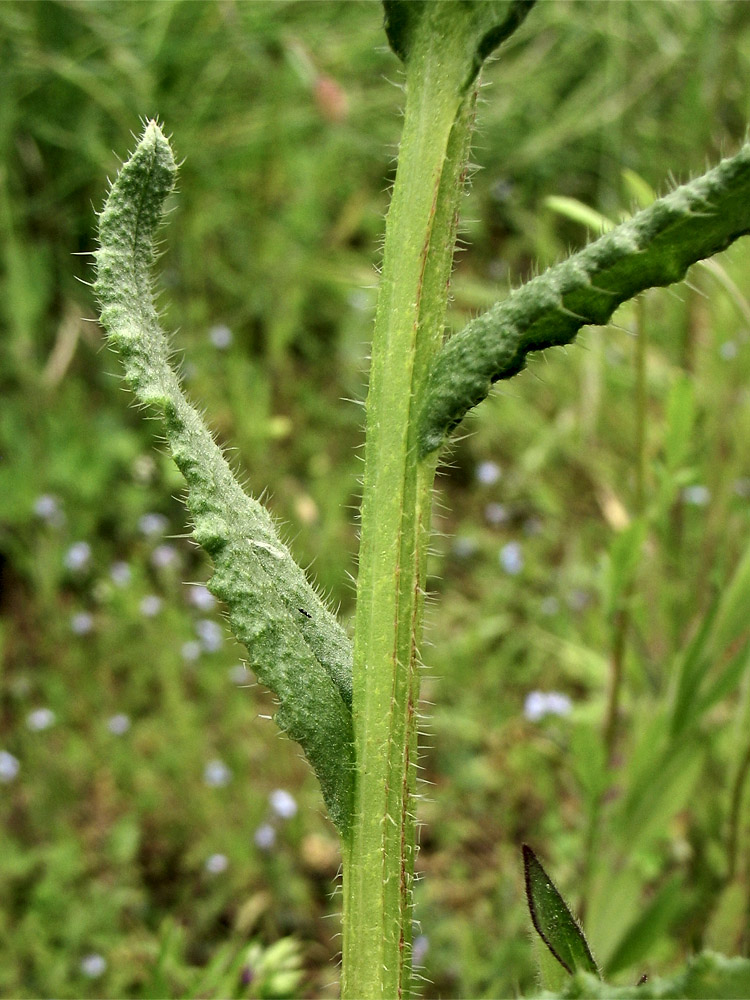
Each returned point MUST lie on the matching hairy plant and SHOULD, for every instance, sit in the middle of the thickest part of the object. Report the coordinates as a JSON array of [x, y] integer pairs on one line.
[[354, 710]]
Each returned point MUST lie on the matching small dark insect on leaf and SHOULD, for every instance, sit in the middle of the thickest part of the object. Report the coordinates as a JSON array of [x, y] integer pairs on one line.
[[642, 980], [305, 613], [552, 919]]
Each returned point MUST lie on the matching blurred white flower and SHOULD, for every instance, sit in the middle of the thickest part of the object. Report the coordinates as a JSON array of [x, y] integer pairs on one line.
[[216, 774], [210, 634], [265, 837], [488, 473], [78, 556], [495, 513], [9, 766], [93, 966], [163, 556], [47, 508], [239, 674], [541, 703], [120, 573], [282, 803], [420, 948], [728, 350], [216, 864], [201, 597], [39, 719], [150, 605], [191, 650], [697, 495], [511, 558], [82, 623], [118, 724], [464, 548], [220, 336], [152, 524]]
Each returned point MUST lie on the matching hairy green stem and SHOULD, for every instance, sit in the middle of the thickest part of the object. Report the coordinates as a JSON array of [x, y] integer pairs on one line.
[[420, 235]]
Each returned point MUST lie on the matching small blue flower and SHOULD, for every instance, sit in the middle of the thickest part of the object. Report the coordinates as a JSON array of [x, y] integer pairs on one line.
[[220, 336], [282, 803], [210, 634], [152, 524], [495, 513], [40, 719], [78, 556], [191, 650], [93, 966], [541, 703], [488, 473], [9, 766], [464, 548], [265, 837], [82, 623], [118, 724], [696, 495], [201, 598], [216, 774], [151, 605], [216, 864], [239, 674], [47, 508], [120, 573], [163, 556], [420, 948], [511, 558]]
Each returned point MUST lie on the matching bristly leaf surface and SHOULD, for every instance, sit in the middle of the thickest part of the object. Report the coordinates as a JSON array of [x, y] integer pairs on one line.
[[552, 919], [296, 647], [655, 247]]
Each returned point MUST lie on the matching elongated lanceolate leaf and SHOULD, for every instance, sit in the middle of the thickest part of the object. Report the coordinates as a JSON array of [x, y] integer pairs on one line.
[[655, 247], [296, 646], [552, 919]]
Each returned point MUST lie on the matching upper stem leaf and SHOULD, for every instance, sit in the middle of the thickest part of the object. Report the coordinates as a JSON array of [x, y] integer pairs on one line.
[[655, 247]]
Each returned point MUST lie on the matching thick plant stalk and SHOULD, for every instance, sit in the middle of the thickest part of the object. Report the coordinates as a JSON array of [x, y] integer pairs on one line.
[[296, 646], [442, 45], [655, 247]]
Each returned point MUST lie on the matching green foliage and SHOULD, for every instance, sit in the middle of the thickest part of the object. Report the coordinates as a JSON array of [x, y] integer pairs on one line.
[[706, 977], [106, 837], [295, 644], [552, 919], [655, 247]]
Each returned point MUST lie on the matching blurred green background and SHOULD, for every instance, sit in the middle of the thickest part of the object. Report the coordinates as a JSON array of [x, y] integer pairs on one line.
[[159, 838]]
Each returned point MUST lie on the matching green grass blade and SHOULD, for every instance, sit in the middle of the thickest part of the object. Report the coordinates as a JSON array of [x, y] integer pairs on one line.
[[719, 649], [649, 928]]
